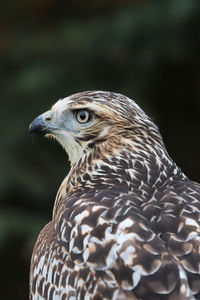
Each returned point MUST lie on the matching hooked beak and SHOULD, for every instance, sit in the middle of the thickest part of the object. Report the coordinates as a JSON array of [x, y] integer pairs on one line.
[[40, 125]]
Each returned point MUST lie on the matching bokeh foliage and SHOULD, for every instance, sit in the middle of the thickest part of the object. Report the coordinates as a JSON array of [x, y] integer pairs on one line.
[[148, 50]]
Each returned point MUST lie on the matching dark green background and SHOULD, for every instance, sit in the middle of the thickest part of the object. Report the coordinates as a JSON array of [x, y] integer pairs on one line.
[[147, 50]]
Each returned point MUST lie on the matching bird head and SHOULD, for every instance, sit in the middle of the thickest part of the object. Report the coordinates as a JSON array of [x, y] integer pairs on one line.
[[82, 121]]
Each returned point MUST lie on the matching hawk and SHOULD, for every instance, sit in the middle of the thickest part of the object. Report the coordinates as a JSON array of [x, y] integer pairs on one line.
[[126, 220]]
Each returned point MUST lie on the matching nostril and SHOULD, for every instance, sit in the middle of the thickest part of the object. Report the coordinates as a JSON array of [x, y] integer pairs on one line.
[[48, 119], [48, 115]]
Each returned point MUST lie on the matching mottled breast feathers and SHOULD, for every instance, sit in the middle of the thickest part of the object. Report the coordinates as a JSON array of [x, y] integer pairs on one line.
[[126, 220]]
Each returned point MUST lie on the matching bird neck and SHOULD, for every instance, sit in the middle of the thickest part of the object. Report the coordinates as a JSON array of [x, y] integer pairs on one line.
[[109, 167]]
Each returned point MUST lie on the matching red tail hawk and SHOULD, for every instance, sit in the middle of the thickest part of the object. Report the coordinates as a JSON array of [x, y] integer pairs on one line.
[[126, 219]]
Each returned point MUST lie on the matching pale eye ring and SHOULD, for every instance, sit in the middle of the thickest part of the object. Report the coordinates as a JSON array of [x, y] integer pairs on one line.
[[83, 116]]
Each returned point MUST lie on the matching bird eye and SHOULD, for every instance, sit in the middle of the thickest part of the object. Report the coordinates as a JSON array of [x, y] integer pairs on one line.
[[83, 116]]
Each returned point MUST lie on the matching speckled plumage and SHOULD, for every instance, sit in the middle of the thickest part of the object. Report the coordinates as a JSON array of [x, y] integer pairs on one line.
[[126, 220]]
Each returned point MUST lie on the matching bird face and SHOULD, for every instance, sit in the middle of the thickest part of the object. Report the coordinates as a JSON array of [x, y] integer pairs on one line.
[[74, 123], [83, 120], [67, 125]]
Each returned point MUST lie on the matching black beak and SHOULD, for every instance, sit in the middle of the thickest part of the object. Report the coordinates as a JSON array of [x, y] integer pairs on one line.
[[38, 126]]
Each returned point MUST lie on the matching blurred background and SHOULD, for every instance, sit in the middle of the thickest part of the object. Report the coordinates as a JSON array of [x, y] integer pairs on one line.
[[147, 50]]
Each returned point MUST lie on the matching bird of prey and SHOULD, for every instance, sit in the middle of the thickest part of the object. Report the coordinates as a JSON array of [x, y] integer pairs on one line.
[[126, 220]]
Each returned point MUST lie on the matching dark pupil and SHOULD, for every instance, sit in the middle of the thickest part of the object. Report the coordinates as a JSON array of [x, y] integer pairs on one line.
[[82, 115]]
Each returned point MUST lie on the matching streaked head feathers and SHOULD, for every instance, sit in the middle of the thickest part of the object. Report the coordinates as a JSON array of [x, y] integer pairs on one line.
[[111, 115]]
